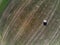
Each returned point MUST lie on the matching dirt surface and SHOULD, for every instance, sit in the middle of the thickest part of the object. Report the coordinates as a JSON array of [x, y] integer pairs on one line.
[[21, 23]]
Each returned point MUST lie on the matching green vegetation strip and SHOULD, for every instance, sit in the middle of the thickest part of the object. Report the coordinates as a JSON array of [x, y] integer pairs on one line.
[[3, 5]]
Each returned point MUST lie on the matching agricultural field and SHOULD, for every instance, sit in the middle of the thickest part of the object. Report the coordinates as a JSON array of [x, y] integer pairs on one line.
[[21, 22]]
